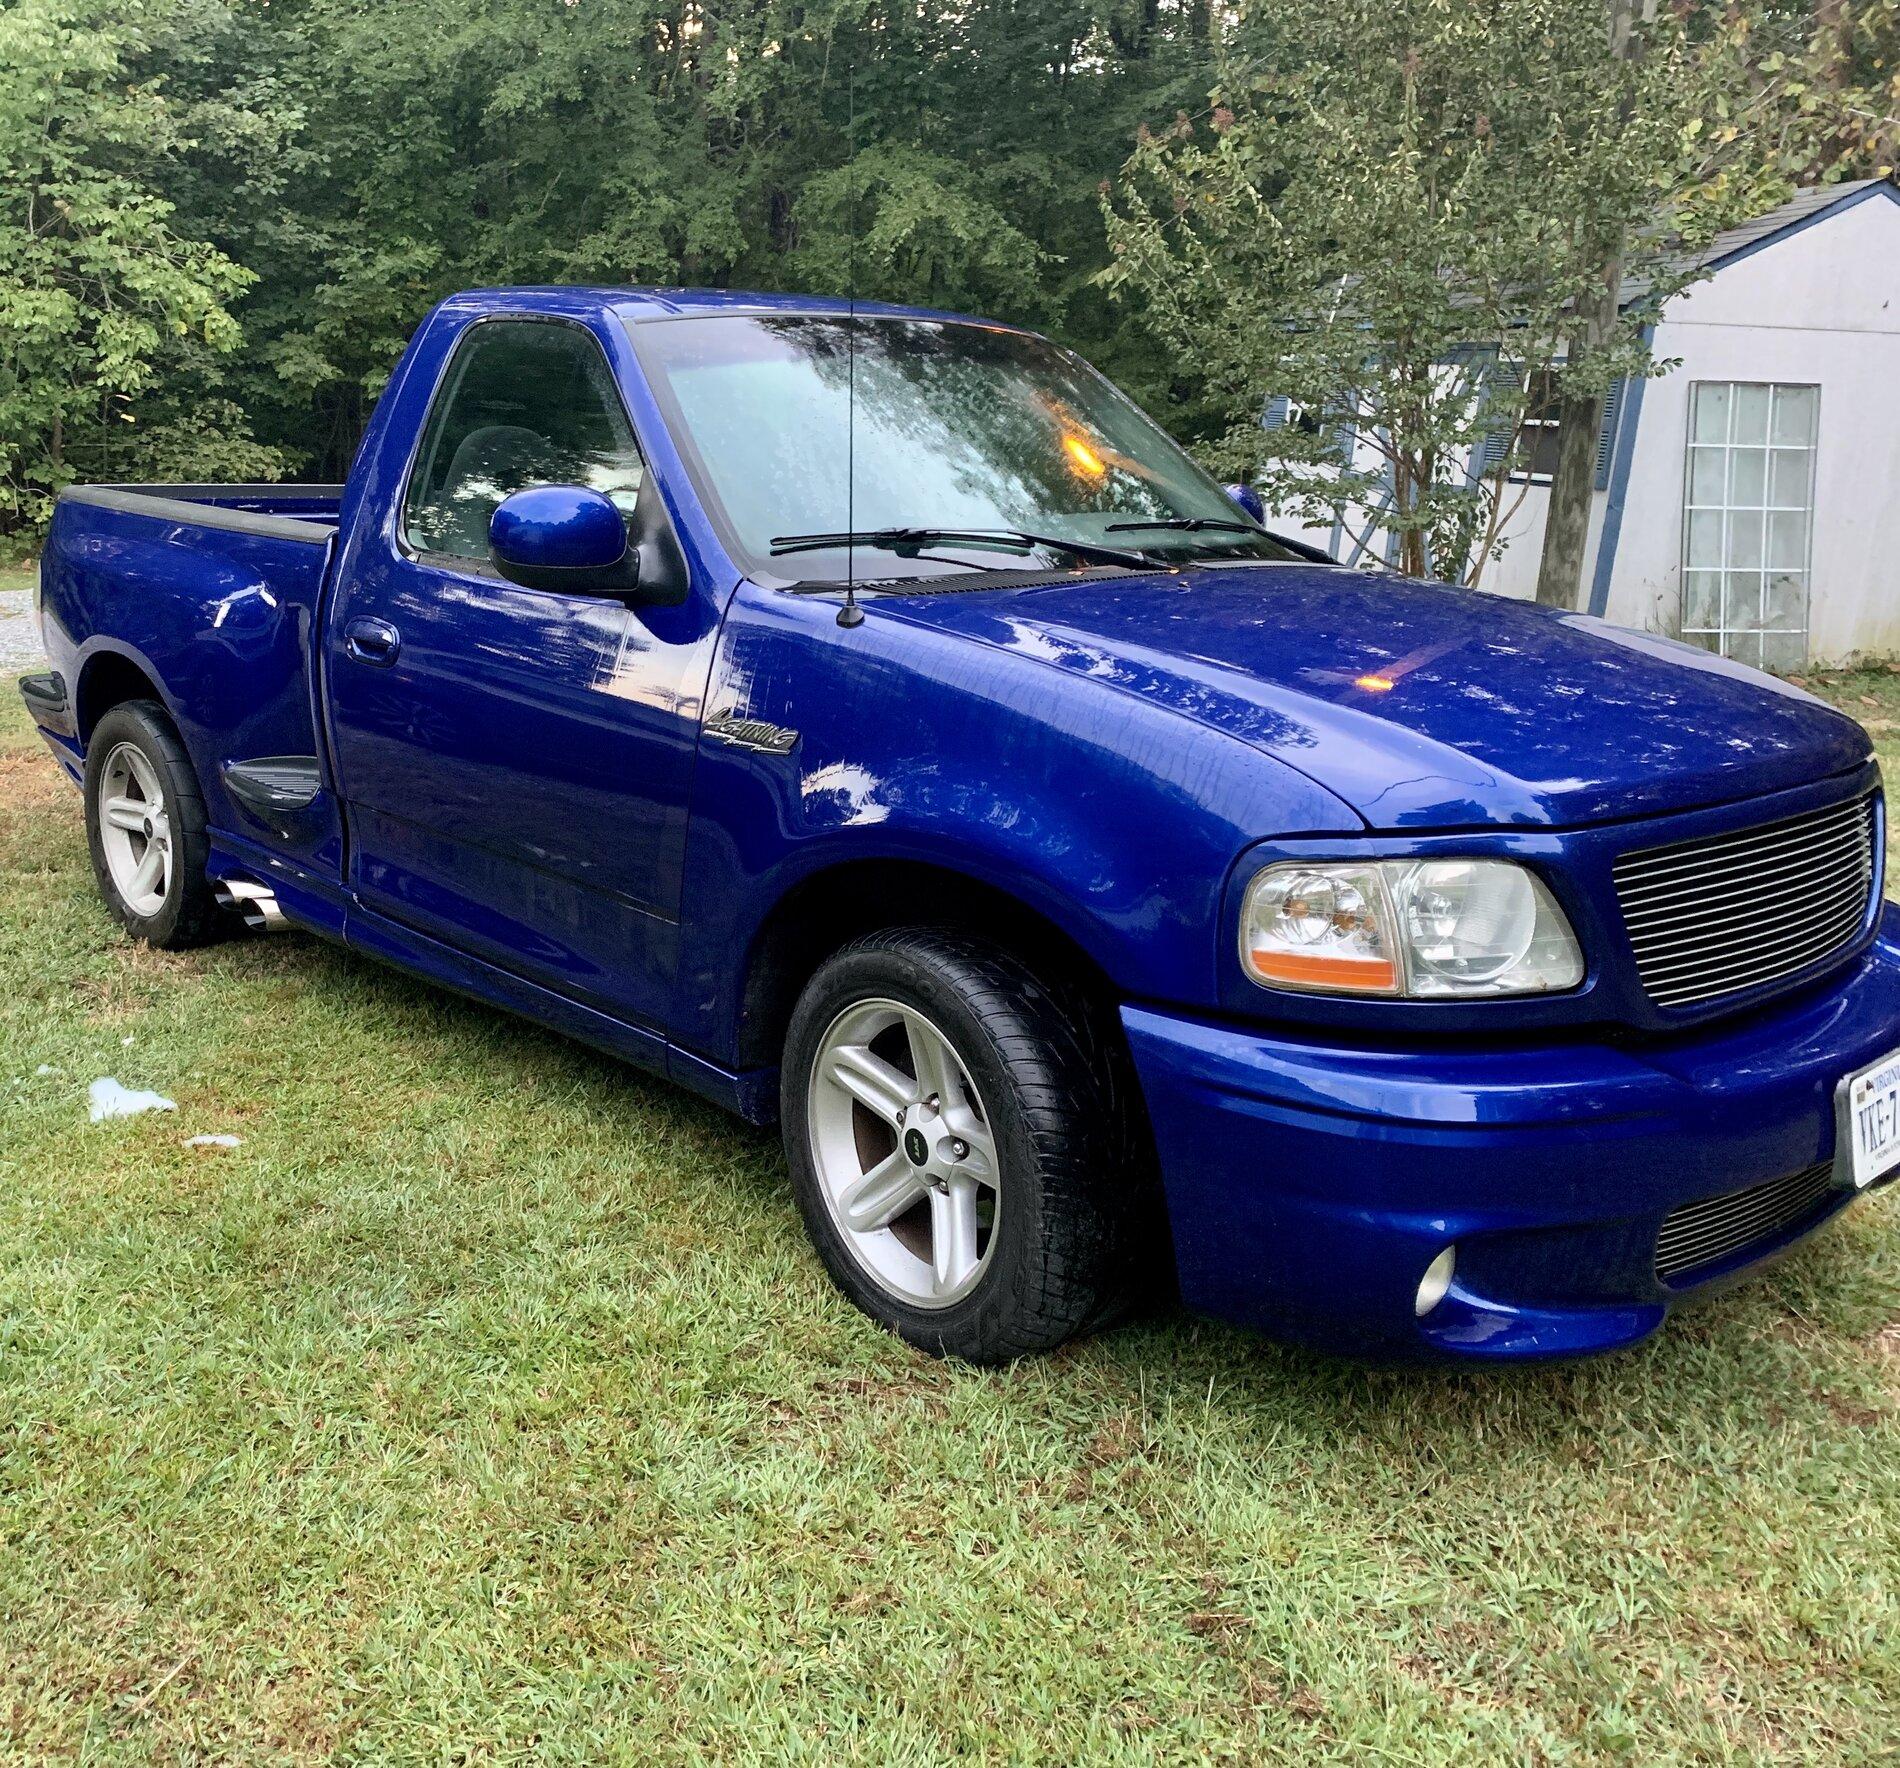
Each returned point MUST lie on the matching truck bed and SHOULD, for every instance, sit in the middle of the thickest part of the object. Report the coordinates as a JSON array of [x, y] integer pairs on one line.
[[245, 509], [207, 598]]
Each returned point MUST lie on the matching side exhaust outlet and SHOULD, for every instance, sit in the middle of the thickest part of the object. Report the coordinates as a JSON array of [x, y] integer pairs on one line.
[[254, 904]]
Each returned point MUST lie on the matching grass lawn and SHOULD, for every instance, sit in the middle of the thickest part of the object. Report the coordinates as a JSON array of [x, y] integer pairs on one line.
[[1873, 697], [487, 1405]]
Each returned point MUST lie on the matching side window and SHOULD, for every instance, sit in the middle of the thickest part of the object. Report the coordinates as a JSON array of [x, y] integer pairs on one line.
[[522, 404]]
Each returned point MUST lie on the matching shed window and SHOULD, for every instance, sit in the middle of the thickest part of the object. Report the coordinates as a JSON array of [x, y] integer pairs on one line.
[[1748, 517], [1543, 429]]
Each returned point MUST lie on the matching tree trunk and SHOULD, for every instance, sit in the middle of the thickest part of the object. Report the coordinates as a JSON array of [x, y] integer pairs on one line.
[[1567, 516], [1567, 519]]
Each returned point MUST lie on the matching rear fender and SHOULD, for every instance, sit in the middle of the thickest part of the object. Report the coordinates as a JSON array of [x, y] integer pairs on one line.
[[217, 620]]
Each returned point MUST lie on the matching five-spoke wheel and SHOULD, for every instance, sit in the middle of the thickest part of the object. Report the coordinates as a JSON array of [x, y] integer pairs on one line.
[[958, 1129], [134, 829], [145, 823], [903, 1151]]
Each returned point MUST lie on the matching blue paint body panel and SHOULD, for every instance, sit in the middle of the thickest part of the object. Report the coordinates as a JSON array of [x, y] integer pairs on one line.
[[221, 622], [1310, 1183], [528, 796]]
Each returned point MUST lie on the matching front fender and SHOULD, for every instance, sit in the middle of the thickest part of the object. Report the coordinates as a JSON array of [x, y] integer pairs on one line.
[[1114, 819]]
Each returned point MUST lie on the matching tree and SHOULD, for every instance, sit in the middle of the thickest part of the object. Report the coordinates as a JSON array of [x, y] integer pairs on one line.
[[101, 292], [404, 148], [1375, 219], [1822, 98], [361, 158], [1600, 233]]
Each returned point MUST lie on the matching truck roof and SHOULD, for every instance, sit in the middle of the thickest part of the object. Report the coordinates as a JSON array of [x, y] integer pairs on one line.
[[637, 305]]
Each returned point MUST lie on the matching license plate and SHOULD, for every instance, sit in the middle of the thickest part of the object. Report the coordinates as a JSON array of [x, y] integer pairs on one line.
[[1872, 1110]]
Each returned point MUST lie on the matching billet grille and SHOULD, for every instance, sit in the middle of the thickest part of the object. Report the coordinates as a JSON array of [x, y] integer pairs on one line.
[[1714, 1229], [1712, 917]]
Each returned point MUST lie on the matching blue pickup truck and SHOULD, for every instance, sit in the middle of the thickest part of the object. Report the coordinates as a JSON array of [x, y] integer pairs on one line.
[[870, 720]]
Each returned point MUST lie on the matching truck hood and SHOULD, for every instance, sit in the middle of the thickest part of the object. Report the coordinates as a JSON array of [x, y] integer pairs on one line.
[[1420, 705]]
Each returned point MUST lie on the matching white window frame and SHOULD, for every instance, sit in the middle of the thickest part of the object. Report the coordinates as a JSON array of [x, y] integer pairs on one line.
[[1722, 637], [1539, 423]]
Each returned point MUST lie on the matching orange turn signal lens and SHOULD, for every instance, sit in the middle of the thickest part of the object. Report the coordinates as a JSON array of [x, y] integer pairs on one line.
[[1342, 974]]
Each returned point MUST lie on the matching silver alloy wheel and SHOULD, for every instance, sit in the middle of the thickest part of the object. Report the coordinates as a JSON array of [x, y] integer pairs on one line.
[[904, 1153], [134, 830]]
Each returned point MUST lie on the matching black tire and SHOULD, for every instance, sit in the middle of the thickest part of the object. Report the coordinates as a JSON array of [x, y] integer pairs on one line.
[[189, 914], [1077, 1205]]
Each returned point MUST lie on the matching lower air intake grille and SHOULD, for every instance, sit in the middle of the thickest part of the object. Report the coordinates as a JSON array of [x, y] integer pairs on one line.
[[1709, 917], [1712, 1230]]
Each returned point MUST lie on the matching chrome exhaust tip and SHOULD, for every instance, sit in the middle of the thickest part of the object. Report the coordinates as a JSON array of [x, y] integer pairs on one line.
[[254, 904]]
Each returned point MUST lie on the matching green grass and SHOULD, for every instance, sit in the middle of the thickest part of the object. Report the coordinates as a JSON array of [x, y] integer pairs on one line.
[[487, 1405], [1873, 697], [18, 577]]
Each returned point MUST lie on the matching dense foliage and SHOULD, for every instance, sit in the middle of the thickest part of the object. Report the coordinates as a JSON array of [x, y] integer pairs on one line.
[[220, 218], [1409, 125], [101, 288]]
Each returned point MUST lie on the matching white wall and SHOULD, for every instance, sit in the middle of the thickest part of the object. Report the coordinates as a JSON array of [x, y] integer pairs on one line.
[[1513, 569], [1821, 306]]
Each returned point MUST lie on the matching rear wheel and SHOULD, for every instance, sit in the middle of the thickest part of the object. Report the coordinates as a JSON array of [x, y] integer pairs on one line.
[[145, 824], [960, 1143]]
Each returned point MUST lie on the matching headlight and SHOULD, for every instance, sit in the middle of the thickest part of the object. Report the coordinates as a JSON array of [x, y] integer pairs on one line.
[[1429, 929]]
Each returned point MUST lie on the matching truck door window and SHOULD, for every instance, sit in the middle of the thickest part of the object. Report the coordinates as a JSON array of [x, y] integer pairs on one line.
[[522, 404]]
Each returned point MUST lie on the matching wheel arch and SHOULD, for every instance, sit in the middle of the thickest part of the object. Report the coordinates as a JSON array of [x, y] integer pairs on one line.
[[108, 678], [827, 908]]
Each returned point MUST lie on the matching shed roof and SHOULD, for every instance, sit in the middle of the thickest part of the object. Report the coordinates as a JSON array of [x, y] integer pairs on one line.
[[1801, 210]]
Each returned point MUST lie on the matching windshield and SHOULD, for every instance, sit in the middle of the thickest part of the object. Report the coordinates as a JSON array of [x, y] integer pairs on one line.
[[958, 425]]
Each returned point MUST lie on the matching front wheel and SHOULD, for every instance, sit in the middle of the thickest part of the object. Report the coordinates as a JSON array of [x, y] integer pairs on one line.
[[145, 824], [961, 1143]]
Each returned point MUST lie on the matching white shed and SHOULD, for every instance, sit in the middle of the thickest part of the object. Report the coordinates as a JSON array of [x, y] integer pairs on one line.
[[1749, 499]]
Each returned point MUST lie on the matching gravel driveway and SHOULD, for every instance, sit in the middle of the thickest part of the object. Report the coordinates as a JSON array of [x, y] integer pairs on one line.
[[19, 636]]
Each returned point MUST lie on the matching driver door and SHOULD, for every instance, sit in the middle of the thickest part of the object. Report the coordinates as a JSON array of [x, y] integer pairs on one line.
[[515, 762]]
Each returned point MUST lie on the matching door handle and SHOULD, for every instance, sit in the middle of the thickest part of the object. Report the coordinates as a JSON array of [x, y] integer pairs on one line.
[[374, 642]]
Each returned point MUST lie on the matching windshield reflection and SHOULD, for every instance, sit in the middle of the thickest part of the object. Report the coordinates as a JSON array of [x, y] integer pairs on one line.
[[957, 425]]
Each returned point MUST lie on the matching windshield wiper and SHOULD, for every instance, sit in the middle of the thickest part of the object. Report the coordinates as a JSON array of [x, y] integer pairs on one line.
[[1192, 525], [1220, 525], [903, 540]]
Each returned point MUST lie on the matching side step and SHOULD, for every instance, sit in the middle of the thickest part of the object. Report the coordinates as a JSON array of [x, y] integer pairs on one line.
[[276, 789]]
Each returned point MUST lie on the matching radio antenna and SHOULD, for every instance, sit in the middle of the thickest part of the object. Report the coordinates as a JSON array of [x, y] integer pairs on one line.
[[851, 614]]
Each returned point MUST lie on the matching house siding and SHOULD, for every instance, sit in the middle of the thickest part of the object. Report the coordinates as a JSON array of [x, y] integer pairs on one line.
[[1817, 303], [1819, 307]]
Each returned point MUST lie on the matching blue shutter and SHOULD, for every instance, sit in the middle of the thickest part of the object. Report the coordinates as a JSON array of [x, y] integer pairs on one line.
[[1489, 454], [1274, 415], [1606, 433]]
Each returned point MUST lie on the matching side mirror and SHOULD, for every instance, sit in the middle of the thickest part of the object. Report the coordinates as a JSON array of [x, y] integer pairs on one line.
[[564, 538], [1247, 501]]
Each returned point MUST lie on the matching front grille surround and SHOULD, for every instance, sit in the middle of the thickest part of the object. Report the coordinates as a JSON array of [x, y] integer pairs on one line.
[[1700, 1236], [1727, 913]]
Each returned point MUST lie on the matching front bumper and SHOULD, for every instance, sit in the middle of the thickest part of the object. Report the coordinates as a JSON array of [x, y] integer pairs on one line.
[[1310, 1184]]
